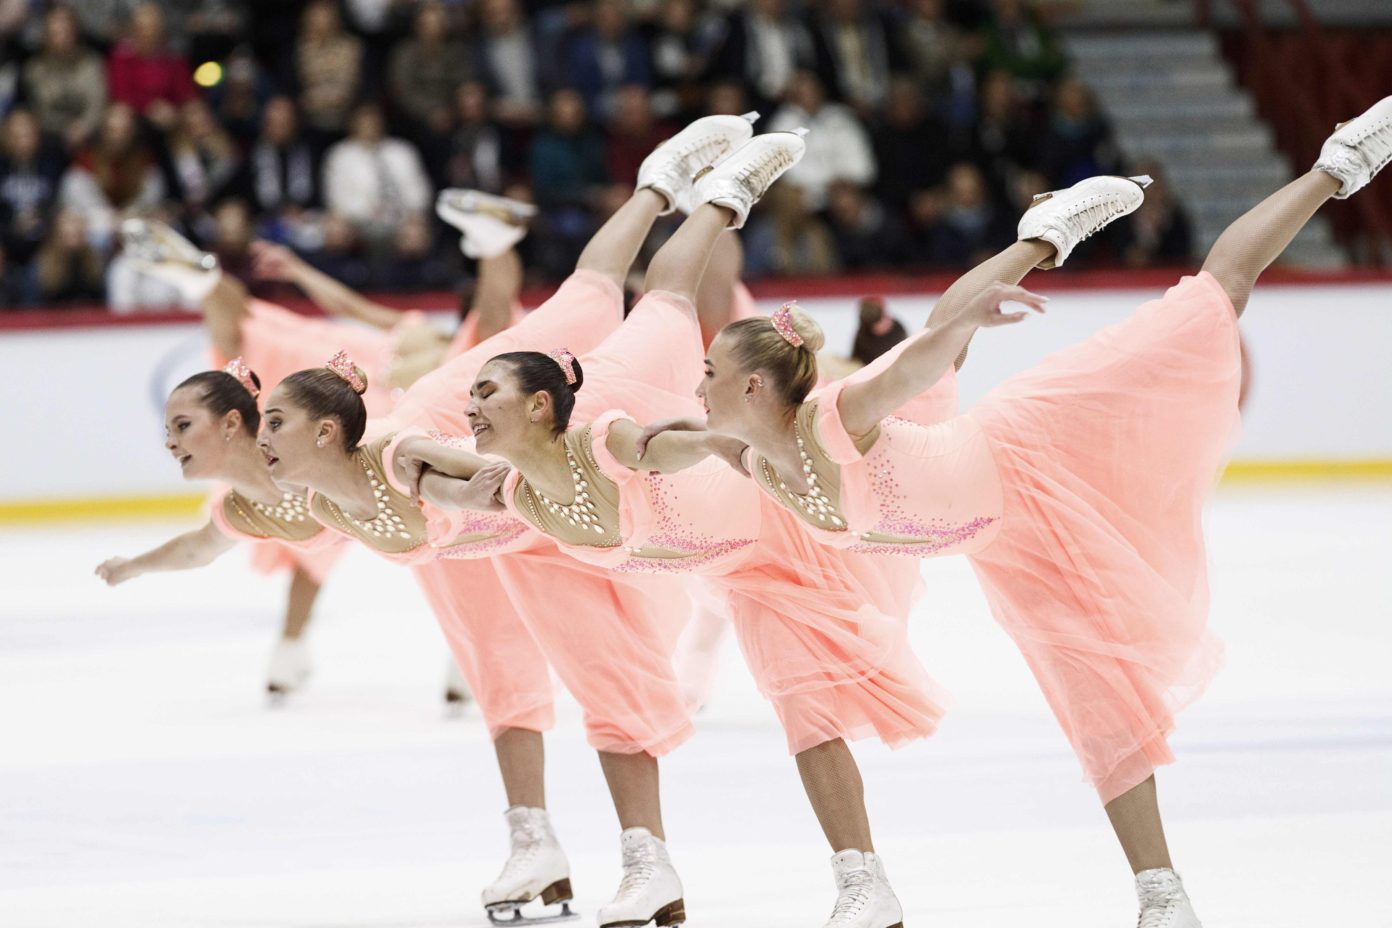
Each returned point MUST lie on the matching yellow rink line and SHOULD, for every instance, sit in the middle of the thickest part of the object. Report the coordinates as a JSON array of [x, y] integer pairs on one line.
[[120, 509]]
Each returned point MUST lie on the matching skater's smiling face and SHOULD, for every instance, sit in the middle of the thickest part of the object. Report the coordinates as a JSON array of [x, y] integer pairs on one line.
[[520, 400], [207, 418]]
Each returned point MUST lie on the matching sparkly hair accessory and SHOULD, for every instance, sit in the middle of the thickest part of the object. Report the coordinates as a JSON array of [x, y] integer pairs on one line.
[[237, 368], [343, 366], [783, 321], [567, 362]]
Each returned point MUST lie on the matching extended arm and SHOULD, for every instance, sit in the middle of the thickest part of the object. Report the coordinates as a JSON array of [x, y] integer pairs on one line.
[[923, 362], [669, 451], [197, 548], [276, 262]]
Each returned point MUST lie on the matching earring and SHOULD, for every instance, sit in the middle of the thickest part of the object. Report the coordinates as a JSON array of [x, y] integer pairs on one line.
[[227, 438], [748, 397], [319, 443]]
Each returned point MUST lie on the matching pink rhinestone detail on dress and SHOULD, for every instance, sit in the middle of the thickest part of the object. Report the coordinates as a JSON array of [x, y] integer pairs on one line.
[[930, 537], [674, 534]]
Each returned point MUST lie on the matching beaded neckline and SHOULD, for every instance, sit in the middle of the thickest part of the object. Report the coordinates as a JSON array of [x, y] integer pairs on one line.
[[580, 513], [386, 523], [815, 503]]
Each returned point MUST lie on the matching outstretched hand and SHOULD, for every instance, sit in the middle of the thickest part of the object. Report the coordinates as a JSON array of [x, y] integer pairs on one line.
[[985, 311], [113, 570], [270, 261]]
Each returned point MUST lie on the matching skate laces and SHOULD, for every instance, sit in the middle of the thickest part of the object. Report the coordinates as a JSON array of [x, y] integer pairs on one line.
[[1094, 214], [527, 841], [759, 173], [640, 863], [855, 887], [1159, 892]]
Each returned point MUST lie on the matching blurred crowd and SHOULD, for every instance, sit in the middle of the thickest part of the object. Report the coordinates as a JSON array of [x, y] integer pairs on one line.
[[329, 126]]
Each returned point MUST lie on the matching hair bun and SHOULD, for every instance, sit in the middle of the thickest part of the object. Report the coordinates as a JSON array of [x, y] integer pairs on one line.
[[813, 339], [362, 381]]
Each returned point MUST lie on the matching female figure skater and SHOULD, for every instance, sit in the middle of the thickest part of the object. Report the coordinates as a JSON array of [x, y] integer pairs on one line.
[[1075, 489], [823, 631], [609, 639], [274, 342]]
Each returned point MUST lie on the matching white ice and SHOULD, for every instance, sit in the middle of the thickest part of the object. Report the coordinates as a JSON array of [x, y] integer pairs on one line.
[[144, 782]]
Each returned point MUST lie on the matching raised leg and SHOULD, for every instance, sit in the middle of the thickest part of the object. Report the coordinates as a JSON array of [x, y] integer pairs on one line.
[[681, 262], [499, 283], [1258, 236], [634, 786], [612, 250], [833, 784], [224, 308]]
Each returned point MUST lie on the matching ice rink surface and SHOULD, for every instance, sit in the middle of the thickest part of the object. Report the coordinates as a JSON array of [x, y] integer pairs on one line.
[[145, 783]]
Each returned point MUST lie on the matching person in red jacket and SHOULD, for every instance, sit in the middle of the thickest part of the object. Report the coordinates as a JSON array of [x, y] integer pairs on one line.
[[145, 73]]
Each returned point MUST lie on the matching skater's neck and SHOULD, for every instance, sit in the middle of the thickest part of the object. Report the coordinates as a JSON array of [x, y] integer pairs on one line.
[[343, 479], [247, 474], [544, 465]]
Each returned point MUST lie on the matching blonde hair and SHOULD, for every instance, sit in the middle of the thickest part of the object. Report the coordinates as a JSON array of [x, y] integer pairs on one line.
[[760, 346]]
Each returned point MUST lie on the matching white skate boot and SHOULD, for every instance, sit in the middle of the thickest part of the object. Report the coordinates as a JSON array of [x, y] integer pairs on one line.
[[536, 868], [863, 896], [289, 668], [457, 694], [1063, 218], [671, 166], [1358, 149], [738, 181], [1164, 904], [489, 225], [650, 890], [157, 250]]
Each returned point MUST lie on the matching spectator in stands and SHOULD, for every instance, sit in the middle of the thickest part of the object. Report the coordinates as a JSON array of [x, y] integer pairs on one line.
[[1016, 40], [65, 82], [838, 147], [114, 177], [1159, 233], [30, 172], [761, 45], [278, 177], [477, 149], [605, 56], [374, 181], [237, 101], [865, 234], [101, 21], [1078, 142], [1001, 142], [144, 73], [856, 52], [911, 148], [878, 331], [787, 237], [67, 268], [567, 157], [510, 64], [328, 65], [340, 254], [633, 134], [205, 156], [423, 73], [415, 263], [678, 54], [938, 52], [231, 238], [971, 227]]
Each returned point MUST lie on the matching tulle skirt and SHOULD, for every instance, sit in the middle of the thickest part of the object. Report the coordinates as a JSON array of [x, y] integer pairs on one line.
[[1107, 452]]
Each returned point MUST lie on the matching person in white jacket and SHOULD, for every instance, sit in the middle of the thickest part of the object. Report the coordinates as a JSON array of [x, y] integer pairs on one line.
[[372, 180], [838, 147]]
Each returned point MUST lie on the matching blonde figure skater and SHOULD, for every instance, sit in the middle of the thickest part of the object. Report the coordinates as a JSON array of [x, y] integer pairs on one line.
[[1075, 489]]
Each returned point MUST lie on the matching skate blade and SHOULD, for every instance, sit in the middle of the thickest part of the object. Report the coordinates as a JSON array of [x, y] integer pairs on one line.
[[1145, 180], [508, 913]]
